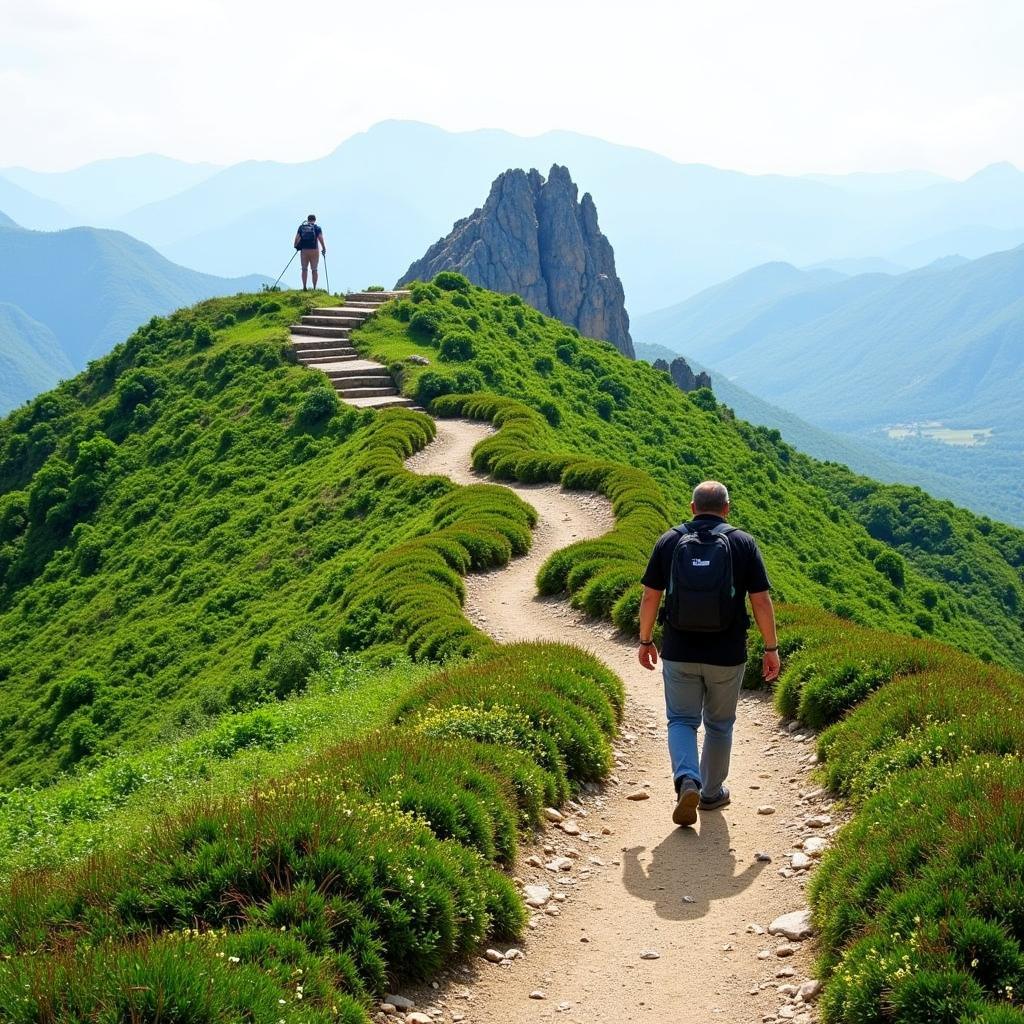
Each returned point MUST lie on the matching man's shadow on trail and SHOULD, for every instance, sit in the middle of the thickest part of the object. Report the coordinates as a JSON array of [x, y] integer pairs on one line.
[[688, 863]]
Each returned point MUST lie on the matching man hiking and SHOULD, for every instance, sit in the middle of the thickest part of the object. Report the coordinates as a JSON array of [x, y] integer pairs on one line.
[[309, 240], [706, 568]]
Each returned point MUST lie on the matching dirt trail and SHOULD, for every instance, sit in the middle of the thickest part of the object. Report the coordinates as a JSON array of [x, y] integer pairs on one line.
[[696, 897]]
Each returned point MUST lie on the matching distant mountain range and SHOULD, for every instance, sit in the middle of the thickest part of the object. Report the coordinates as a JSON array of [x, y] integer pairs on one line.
[[108, 189], [937, 350], [385, 195], [68, 296]]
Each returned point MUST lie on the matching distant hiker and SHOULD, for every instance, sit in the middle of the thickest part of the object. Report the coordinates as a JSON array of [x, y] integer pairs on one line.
[[707, 568], [309, 240]]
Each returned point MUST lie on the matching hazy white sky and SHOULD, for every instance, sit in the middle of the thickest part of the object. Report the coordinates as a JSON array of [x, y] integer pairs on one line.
[[759, 85]]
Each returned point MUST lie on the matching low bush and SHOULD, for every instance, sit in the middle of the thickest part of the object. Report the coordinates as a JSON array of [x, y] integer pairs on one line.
[[372, 862], [918, 901]]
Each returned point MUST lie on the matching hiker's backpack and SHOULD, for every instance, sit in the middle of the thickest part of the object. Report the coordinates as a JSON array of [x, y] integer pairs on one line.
[[701, 593], [307, 235]]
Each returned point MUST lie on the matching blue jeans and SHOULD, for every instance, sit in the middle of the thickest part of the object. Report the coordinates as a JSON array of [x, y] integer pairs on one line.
[[694, 692]]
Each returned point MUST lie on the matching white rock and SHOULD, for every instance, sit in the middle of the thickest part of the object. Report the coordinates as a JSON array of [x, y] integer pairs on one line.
[[494, 956], [755, 929], [784, 950], [638, 794], [552, 814], [815, 846], [819, 821], [800, 861], [536, 895], [650, 954], [795, 926], [537, 994], [766, 809], [418, 1018], [513, 954], [559, 864], [388, 1008], [534, 861], [810, 990], [570, 828]]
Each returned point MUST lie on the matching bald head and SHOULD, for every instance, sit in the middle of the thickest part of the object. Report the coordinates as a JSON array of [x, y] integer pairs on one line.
[[711, 496]]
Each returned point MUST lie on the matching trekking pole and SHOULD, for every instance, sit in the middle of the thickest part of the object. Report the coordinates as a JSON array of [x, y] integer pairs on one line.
[[286, 266], [327, 277]]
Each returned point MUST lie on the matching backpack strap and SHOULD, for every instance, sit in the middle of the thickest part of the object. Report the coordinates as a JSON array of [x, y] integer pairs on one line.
[[683, 529], [723, 530]]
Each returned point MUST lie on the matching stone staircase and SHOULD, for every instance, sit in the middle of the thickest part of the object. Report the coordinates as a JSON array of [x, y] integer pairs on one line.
[[321, 341]]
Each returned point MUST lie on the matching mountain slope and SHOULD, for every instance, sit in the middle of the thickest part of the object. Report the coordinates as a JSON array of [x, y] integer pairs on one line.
[[23, 207], [933, 344], [103, 190], [107, 284], [5, 221], [820, 524], [985, 479], [677, 228], [31, 359]]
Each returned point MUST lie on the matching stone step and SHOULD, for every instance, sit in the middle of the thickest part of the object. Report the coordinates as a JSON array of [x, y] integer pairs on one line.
[[363, 312], [334, 321], [361, 368], [347, 392], [377, 297], [321, 344], [320, 361], [380, 402], [345, 383], [314, 331]]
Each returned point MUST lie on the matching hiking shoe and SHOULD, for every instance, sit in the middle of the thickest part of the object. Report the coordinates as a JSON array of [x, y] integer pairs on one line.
[[686, 806], [722, 800]]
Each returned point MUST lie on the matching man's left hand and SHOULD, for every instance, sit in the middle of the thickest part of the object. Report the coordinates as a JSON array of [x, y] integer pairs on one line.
[[648, 656]]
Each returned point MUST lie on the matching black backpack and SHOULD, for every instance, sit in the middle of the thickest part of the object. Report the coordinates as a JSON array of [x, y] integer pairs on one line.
[[307, 235], [701, 595]]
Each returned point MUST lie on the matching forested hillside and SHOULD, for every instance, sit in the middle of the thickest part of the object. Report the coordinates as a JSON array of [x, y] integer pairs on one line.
[[271, 767]]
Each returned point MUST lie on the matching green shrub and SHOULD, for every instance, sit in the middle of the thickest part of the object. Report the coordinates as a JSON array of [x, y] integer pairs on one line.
[[457, 347], [450, 281]]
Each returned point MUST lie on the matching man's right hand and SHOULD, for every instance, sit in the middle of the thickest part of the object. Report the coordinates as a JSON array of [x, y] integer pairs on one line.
[[648, 656], [771, 665]]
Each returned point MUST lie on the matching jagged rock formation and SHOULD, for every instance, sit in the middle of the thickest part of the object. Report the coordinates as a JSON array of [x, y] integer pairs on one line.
[[685, 379], [533, 238]]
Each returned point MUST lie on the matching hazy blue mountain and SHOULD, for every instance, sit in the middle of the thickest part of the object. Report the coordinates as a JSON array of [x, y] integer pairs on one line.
[[91, 288], [939, 348], [865, 265], [5, 221], [725, 308], [941, 343], [873, 182], [103, 190], [943, 471], [25, 208], [31, 359], [385, 195], [968, 242]]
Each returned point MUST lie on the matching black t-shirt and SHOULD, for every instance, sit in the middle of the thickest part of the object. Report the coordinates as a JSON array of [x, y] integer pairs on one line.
[[749, 576]]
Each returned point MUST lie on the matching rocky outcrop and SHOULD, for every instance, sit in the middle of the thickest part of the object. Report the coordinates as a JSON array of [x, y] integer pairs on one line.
[[685, 379], [532, 237]]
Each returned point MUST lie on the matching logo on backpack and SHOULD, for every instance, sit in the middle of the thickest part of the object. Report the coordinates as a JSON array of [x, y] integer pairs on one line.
[[701, 593]]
